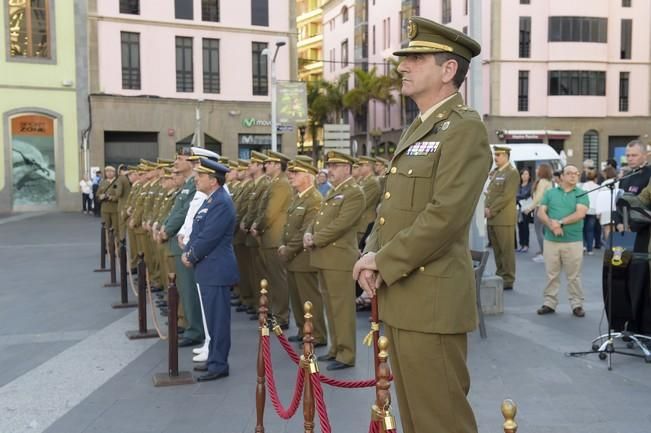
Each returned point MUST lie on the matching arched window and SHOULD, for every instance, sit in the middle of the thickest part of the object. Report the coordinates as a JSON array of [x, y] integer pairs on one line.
[[344, 14], [591, 146]]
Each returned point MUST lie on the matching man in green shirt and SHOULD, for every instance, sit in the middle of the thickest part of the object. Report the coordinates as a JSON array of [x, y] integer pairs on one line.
[[562, 210]]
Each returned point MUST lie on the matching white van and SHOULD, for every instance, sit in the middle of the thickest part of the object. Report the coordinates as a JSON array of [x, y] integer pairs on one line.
[[531, 155]]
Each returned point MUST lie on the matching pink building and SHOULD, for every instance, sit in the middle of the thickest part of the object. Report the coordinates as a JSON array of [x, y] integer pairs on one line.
[[574, 74], [162, 70]]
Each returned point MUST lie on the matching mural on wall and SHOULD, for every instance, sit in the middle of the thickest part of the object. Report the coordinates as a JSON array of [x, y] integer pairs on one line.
[[32, 151]]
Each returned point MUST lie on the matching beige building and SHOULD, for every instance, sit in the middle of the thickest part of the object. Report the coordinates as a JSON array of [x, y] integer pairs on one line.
[[187, 72], [309, 15]]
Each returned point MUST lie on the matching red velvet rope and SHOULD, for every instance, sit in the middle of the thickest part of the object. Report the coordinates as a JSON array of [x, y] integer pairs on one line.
[[320, 403], [368, 383], [273, 392]]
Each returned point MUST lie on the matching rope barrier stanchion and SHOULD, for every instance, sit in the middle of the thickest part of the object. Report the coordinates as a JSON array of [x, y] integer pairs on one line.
[[111, 252], [102, 249], [260, 389], [124, 294], [381, 410], [509, 409], [173, 376], [310, 367], [142, 331], [273, 391], [324, 421]]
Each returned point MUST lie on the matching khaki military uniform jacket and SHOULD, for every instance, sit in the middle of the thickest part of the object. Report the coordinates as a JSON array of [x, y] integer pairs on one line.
[[112, 190], [300, 216], [371, 187], [273, 216], [241, 201], [259, 187], [421, 233], [124, 190], [500, 196], [335, 228]]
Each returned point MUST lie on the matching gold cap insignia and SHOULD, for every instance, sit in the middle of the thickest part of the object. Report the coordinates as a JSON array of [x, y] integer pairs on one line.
[[412, 29]]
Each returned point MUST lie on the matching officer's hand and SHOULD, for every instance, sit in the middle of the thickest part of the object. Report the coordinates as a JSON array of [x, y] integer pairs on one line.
[[487, 212], [185, 261], [243, 227], [620, 227], [308, 240], [282, 251], [367, 281], [367, 261], [179, 240], [253, 232]]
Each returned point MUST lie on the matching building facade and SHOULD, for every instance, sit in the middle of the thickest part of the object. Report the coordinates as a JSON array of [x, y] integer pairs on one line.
[[43, 103], [575, 75], [309, 23], [169, 74]]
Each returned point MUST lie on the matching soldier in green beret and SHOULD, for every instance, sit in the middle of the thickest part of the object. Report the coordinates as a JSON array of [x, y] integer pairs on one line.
[[417, 256]]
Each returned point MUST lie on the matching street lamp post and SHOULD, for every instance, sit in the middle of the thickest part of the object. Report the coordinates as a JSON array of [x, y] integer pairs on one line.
[[274, 126]]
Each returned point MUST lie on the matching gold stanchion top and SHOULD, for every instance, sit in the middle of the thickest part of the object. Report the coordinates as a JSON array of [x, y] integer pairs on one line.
[[307, 309], [263, 285], [509, 410], [383, 346]]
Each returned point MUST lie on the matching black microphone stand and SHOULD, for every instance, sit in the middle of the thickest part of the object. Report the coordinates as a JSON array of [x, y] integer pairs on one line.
[[604, 345]]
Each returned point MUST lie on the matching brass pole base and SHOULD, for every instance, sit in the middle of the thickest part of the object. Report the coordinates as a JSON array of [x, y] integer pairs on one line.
[[165, 379], [137, 335], [121, 305]]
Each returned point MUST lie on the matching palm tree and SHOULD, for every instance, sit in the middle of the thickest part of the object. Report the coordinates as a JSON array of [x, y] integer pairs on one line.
[[368, 87], [325, 104]]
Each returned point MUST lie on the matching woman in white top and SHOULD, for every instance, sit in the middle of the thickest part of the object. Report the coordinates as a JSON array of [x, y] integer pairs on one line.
[[591, 217], [542, 184], [86, 187]]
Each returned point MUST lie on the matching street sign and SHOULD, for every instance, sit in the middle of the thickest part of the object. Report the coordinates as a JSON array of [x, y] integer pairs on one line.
[[337, 137]]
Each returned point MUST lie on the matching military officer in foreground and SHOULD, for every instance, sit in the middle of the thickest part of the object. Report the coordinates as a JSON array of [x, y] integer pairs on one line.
[[332, 241], [501, 214], [417, 255], [210, 252]]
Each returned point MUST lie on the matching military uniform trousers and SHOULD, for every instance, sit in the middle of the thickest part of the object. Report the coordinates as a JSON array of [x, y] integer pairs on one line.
[[303, 287], [132, 245], [110, 219], [277, 279], [338, 293], [189, 298], [431, 381], [217, 302], [244, 265], [257, 269], [502, 238], [167, 267]]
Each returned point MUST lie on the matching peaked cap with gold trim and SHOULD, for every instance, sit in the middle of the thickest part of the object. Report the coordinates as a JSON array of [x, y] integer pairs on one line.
[[334, 157], [426, 36]]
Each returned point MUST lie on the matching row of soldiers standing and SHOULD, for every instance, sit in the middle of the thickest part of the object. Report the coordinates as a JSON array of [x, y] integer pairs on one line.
[[304, 244]]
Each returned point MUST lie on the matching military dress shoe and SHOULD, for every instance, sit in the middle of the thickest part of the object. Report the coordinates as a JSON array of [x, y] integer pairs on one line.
[[578, 312], [235, 303], [336, 365], [241, 308], [155, 289], [133, 271], [188, 342], [251, 310], [325, 357], [212, 376], [295, 338], [507, 288], [200, 367], [545, 310]]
